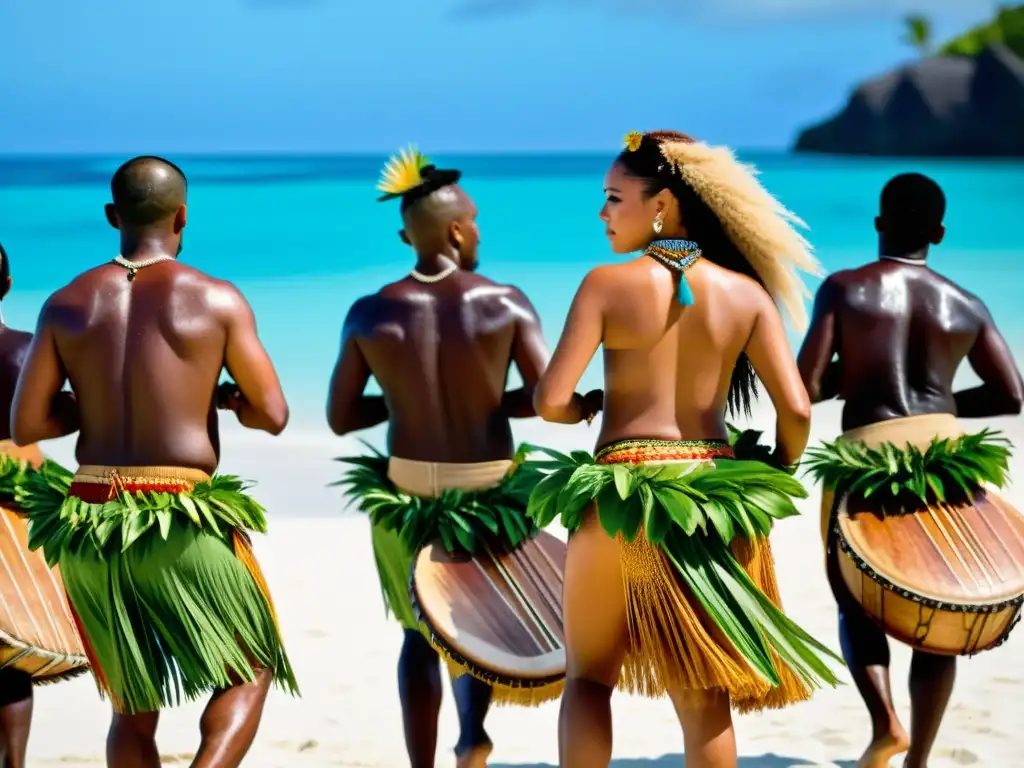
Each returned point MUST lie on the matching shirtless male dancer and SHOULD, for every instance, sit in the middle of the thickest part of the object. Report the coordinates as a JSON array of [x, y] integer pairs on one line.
[[900, 331], [15, 685], [439, 342], [142, 340]]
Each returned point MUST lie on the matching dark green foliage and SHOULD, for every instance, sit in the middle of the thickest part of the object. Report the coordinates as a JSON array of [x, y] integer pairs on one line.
[[57, 520], [462, 521], [949, 469]]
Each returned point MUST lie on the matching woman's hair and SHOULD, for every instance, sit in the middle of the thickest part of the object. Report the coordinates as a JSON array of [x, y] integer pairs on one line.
[[703, 227]]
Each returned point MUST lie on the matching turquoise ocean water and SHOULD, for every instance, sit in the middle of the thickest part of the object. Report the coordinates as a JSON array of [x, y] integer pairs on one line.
[[304, 237]]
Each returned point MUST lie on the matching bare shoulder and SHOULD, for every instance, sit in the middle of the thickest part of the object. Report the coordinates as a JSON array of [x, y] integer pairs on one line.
[[70, 299], [737, 289], [505, 293], [15, 345], [222, 297], [365, 311], [605, 277], [970, 301]]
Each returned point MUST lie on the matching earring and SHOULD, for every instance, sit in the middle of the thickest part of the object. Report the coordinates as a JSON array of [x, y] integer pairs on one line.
[[657, 224]]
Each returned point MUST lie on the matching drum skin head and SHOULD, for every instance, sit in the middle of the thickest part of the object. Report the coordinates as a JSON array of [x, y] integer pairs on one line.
[[964, 554], [37, 632], [500, 611]]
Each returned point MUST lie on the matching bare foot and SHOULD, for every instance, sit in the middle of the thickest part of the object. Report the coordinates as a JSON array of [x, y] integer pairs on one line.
[[883, 749], [474, 758]]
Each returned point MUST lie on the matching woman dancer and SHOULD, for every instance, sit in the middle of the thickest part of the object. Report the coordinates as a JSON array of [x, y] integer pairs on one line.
[[670, 586]]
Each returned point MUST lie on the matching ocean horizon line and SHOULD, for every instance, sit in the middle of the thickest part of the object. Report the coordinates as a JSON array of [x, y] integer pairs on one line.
[[41, 171], [245, 155]]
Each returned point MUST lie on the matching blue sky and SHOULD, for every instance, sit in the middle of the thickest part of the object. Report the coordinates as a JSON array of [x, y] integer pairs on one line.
[[97, 76]]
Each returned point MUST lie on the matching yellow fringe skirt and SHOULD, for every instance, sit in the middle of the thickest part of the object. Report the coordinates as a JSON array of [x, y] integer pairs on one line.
[[674, 647]]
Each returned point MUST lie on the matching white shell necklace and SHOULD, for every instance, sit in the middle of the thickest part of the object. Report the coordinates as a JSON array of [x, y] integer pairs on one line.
[[447, 271], [901, 260], [135, 266]]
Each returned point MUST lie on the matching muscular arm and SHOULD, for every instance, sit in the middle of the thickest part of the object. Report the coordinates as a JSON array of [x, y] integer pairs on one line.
[[1002, 391], [41, 410], [556, 398], [530, 356], [348, 409], [772, 359], [819, 372], [263, 405]]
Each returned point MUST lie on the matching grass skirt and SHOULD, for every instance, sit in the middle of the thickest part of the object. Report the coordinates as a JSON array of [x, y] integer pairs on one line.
[[168, 608], [703, 606]]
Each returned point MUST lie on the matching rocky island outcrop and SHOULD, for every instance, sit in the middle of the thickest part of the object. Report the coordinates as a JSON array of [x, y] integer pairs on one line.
[[967, 101]]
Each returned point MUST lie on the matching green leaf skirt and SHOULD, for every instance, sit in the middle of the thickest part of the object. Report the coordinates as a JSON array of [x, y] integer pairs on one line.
[[903, 479], [463, 521], [161, 579], [703, 610]]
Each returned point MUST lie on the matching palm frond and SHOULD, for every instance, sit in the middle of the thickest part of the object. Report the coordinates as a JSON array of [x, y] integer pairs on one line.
[[947, 467], [462, 521], [58, 521]]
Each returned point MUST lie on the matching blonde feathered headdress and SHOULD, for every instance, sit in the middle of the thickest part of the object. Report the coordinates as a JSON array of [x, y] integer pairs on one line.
[[760, 227]]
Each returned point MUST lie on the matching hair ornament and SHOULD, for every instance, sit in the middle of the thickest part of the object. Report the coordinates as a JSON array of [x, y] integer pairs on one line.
[[404, 172], [761, 227], [634, 140]]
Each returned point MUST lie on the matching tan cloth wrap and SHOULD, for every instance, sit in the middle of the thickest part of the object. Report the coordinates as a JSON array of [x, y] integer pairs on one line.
[[101, 475], [428, 479], [918, 431]]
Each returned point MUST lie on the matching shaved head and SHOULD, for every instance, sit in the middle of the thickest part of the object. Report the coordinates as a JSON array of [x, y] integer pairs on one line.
[[438, 209], [147, 190], [443, 219]]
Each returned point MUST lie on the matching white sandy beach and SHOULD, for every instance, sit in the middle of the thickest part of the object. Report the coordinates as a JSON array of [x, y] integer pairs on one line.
[[344, 651]]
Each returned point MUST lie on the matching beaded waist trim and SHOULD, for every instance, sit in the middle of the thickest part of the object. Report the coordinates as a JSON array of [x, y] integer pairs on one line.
[[644, 451]]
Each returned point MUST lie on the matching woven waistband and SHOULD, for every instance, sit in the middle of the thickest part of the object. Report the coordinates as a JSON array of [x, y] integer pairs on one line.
[[101, 475], [919, 431], [639, 451], [429, 479]]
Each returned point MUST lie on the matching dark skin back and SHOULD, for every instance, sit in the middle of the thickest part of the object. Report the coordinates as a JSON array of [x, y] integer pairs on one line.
[[13, 351], [900, 332], [143, 359], [441, 354]]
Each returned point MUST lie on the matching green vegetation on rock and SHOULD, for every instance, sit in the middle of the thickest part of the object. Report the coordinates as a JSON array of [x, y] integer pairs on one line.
[[1006, 28], [918, 33]]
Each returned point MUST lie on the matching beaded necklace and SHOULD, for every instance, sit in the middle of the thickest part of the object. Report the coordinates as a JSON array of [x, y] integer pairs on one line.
[[679, 256]]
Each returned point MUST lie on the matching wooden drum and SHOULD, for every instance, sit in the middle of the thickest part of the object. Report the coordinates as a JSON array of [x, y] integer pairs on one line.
[[498, 615], [37, 632], [946, 579]]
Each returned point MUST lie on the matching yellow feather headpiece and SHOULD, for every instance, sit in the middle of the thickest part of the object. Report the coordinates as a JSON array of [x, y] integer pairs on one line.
[[402, 173]]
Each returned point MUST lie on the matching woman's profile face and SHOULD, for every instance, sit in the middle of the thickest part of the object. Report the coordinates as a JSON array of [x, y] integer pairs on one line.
[[628, 215]]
